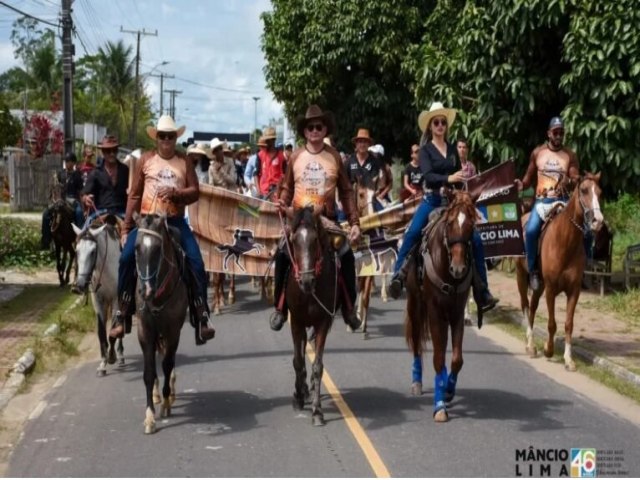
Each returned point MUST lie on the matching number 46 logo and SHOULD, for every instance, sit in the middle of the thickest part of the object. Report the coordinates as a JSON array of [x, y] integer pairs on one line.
[[583, 462]]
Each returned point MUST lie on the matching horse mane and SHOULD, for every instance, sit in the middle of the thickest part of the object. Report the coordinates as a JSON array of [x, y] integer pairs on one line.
[[305, 216]]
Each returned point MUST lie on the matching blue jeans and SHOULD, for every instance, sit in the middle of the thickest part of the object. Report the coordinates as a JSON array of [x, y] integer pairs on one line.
[[532, 234], [127, 267], [413, 234]]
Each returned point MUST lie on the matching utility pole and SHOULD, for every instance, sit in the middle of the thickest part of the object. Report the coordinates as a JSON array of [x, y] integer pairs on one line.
[[172, 102], [68, 50], [255, 118], [134, 127], [162, 77]]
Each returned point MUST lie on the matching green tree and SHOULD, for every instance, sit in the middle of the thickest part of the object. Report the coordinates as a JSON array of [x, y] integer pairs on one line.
[[10, 127], [347, 57]]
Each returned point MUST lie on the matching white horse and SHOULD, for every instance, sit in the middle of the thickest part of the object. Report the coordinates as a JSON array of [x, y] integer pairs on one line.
[[98, 254]]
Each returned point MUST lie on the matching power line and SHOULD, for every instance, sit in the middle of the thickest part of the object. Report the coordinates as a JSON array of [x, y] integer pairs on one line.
[[28, 15], [212, 86]]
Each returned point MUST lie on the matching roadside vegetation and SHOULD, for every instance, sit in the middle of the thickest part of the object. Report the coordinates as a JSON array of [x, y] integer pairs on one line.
[[20, 245]]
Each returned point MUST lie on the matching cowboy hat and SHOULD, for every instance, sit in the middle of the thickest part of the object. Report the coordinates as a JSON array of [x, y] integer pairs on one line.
[[197, 149], [269, 133], [261, 142], [436, 110], [314, 112], [165, 124], [109, 141], [215, 143], [378, 149], [363, 133]]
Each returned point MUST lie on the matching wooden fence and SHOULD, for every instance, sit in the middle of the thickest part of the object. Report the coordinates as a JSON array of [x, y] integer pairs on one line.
[[30, 180]]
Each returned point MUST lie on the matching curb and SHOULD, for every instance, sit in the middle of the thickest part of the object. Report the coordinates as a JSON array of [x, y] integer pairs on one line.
[[585, 355], [25, 364]]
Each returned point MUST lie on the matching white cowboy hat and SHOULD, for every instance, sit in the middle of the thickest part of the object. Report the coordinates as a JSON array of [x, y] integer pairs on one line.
[[197, 149], [165, 124], [379, 149], [215, 143], [436, 110]]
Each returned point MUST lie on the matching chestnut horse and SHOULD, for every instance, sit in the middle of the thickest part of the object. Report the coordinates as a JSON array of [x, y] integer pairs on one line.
[[436, 303], [312, 296], [562, 260], [162, 300], [64, 239]]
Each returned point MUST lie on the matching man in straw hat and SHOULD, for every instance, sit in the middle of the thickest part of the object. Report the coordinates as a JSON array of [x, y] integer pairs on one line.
[[365, 168], [318, 163], [270, 164], [165, 182], [222, 171], [201, 160], [440, 165], [105, 190]]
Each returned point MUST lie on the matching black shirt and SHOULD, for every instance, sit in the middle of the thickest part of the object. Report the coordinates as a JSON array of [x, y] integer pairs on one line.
[[366, 174], [71, 183], [105, 194], [415, 175], [435, 167]]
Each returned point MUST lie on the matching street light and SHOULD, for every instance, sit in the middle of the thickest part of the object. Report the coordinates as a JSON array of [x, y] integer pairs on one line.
[[255, 117]]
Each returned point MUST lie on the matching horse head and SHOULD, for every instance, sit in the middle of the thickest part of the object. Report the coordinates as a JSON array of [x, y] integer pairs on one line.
[[153, 248], [308, 240], [60, 213], [86, 254], [364, 199], [459, 221], [588, 193]]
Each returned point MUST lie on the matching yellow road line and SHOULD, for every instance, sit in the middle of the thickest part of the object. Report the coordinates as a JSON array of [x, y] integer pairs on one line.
[[371, 454]]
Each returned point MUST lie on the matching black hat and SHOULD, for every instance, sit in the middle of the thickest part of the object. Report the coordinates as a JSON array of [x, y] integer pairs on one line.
[[556, 122], [70, 157]]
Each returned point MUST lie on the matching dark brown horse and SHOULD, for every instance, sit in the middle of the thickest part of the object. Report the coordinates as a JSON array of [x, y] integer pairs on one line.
[[162, 300], [312, 296], [63, 239], [562, 262], [435, 303]]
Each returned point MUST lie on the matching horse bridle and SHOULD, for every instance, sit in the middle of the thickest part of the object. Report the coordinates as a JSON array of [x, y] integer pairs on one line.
[[104, 260], [155, 273], [588, 214]]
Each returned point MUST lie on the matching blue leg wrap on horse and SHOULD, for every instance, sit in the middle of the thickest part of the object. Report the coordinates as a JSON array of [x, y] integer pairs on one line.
[[439, 389], [451, 383], [416, 372]]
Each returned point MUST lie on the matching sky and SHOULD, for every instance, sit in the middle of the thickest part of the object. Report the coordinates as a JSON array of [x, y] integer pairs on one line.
[[212, 48]]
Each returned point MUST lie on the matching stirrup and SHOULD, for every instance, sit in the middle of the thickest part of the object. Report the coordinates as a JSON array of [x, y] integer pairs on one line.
[[277, 321], [117, 328], [395, 286]]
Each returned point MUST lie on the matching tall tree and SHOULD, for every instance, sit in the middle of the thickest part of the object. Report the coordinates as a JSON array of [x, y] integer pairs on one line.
[[347, 57]]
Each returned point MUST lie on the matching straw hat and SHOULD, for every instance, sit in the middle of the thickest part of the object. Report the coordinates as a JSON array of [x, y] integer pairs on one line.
[[215, 143], [314, 112], [197, 149], [261, 142], [269, 133], [363, 134], [165, 124], [436, 110]]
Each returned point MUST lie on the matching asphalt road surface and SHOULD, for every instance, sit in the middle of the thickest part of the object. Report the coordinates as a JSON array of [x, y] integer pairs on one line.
[[513, 416]]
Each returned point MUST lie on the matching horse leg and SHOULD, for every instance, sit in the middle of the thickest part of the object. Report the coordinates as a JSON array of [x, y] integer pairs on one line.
[[232, 289], [457, 334], [523, 291], [368, 285], [299, 335], [317, 417], [217, 279], [149, 353], [551, 326], [156, 392], [533, 308], [383, 289], [572, 301], [59, 266], [102, 338], [168, 368], [439, 338], [222, 295], [120, 351]]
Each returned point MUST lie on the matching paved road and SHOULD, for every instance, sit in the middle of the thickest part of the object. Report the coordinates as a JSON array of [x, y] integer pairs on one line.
[[233, 416]]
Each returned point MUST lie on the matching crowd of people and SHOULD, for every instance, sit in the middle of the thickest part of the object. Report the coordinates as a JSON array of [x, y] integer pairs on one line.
[[311, 173]]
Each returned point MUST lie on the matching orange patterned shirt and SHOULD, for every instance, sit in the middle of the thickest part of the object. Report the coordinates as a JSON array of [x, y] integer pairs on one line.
[[159, 172], [315, 178]]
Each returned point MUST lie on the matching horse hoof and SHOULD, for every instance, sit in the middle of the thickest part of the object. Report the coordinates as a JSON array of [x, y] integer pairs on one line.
[[156, 399], [101, 373], [570, 367], [441, 416], [318, 420], [416, 389], [111, 359], [121, 362], [149, 429], [532, 352], [298, 403], [365, 335], [165, 412], [548, 353], [232, 299], [216, 310]]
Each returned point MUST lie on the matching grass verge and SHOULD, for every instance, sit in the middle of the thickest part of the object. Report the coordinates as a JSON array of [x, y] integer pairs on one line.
[[625, 305], [503, 321]]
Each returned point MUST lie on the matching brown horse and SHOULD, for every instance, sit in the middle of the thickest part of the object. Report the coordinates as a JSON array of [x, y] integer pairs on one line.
[[217, 282], [312, 296], [436, 302], [64, 239], [562, 261], [162, 299]]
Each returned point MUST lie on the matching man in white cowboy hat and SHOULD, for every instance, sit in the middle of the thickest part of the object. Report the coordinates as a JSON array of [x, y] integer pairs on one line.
[[222, 171], [251, 169], [165, 182], [105, 190], [201, 160], [368, 170], [301, 189], [270, 164], [440, 165]]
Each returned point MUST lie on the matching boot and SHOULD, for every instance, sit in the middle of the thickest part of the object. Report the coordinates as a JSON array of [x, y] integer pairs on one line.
[[279, 317], [534, 280], [397, 281], [488, 301], [277, 320], [204, 328], [119, 318]]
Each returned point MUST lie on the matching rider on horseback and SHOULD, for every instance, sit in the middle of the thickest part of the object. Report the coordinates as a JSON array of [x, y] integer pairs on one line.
[[165, 182], [313, 174], [552, 162], [441, 167]]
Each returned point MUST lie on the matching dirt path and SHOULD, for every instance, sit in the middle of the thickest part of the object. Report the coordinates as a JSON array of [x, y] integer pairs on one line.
[[595, 330]]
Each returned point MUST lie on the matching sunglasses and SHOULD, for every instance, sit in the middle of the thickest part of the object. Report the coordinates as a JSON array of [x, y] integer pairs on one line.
[[315, 126], [166, 136], [108, 150], [557, 133], [437, 122]]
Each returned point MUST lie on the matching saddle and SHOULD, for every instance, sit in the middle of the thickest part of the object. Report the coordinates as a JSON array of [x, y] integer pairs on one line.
[[547, 214], [109, 219]]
